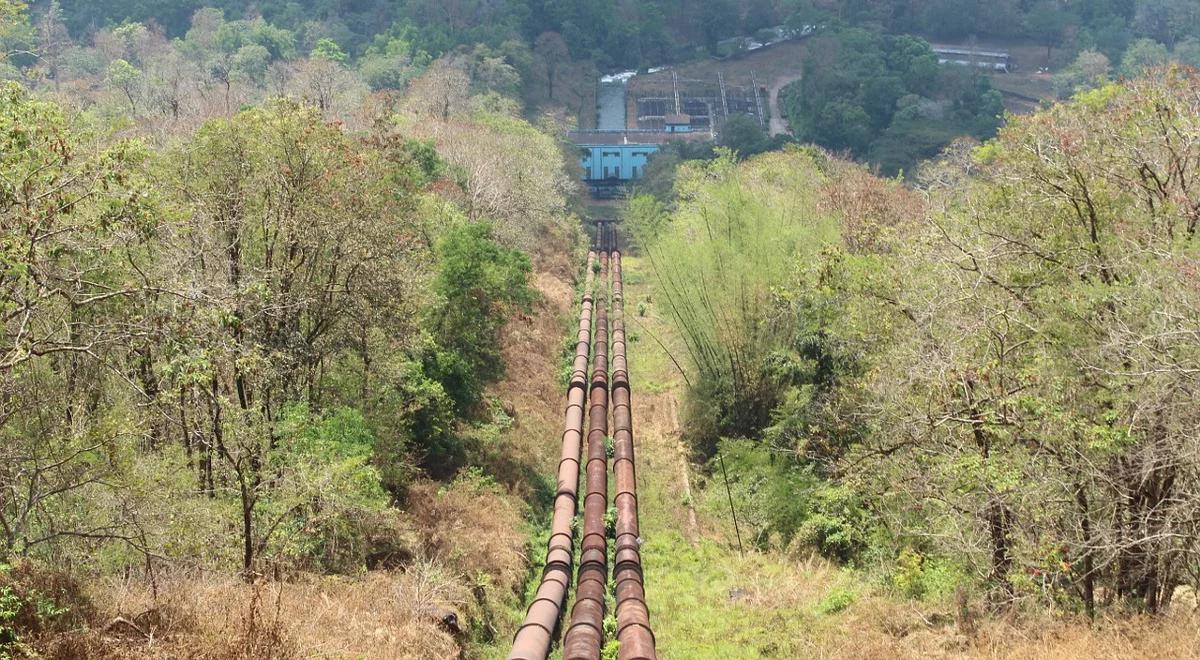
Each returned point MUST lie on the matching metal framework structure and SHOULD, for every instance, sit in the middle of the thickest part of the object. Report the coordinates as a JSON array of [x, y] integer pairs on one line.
[[709, 103]]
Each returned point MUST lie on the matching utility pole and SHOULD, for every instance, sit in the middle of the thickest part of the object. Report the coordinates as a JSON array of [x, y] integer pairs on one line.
[[724, 98], [732, 511], [675, 89], [762, 119]]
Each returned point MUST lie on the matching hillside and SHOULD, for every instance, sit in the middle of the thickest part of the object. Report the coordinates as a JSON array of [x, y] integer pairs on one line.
[[314, 344], [875, 383]]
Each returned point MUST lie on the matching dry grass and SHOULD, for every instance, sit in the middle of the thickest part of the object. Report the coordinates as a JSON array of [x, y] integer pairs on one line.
[[381, 615], [1174, 637], [881, 627], [782, 60], [473, 530], [468, 567], [530, 390]]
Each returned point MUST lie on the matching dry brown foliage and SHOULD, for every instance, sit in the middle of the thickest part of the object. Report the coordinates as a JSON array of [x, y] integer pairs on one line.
[[381, 615], [871, 212], [472, 564], [471, 528]]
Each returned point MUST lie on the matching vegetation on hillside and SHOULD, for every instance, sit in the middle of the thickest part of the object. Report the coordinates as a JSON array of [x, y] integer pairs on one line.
[[241, 337], [869, 89], [990, 392], [263, 266], [886, 99], [616, 33]]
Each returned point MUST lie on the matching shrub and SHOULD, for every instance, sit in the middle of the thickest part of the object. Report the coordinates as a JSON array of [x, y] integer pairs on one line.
[[907, 578], [327, 497], [836, 601], [838, 526], [770, 491], [33, 601], [920, 576], [785, 502]]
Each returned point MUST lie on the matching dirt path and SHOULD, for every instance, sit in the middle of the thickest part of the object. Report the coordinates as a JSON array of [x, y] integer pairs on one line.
[[663, 458], [779, 125], [693, 527]]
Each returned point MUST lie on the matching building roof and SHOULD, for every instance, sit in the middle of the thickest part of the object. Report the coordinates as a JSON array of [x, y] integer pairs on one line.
[[678, 118], [606, 138], [954, 50]]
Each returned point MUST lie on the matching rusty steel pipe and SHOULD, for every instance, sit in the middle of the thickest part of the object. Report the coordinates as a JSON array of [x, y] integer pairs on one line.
[[535, 636], [585, 635], [633, 616]]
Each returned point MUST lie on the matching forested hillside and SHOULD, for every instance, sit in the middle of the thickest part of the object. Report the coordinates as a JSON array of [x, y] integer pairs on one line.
[[983, 392], [873, 88], [255, 326], [289, 292], [619, 33], [624, 34], [886, 99]]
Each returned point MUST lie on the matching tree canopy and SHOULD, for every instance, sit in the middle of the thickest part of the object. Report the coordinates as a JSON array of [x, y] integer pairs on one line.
[[1000, 376]]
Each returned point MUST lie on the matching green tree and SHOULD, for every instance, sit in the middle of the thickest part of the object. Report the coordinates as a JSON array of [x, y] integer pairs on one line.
[[294, 276], [743, 135], [250, 63], [480, 282], [1046, 271], [53, 40], [78, 216], [717, 19], [886, 99], [126, 78], [1090, 69], [11, 11], [844, 125], [12, 15], [1047, 23], [1166, 21], [1187, 52], [391, 61], [328, 49], [552, 54], [1143, 54], [326, 495]]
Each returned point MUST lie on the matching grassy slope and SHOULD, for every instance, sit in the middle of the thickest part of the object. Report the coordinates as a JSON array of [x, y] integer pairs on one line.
[[707, 601]]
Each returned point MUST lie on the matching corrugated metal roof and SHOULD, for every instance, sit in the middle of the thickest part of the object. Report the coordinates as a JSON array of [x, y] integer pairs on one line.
[[601, 138], [955, 50]]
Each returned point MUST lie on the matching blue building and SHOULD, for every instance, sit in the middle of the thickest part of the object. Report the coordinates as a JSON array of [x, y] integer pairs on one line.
[[616, 156], [678, 123]]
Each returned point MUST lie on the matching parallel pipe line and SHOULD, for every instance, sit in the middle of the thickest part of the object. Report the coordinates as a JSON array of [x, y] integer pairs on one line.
[[585, 636], [536, 634], [633, 616]]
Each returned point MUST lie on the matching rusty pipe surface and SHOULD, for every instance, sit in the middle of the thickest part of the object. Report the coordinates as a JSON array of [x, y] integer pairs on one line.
[[633, 616], [535, 636], [585, 635]]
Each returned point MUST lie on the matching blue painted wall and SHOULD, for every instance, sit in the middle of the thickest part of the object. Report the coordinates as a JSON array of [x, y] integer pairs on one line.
[[615, 161]]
